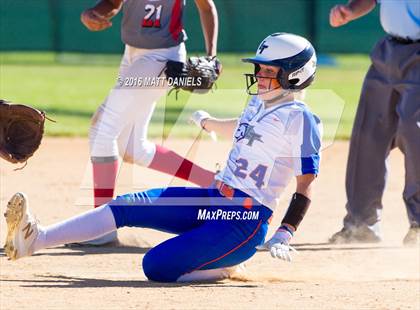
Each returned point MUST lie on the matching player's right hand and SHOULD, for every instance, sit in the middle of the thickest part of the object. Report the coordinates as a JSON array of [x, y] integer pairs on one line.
[[340, 15], [198, 117], [94, 21]]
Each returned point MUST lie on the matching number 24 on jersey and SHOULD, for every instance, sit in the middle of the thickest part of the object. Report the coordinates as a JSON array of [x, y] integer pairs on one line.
[[258, 174]]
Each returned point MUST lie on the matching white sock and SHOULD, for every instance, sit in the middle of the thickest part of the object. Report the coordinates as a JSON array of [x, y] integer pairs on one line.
[[86, 226]]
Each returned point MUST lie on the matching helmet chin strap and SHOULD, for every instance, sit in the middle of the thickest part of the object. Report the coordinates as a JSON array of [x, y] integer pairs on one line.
[[251, 80]]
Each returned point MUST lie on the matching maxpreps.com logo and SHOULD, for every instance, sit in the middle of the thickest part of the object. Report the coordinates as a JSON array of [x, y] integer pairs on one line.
[[246, 131]]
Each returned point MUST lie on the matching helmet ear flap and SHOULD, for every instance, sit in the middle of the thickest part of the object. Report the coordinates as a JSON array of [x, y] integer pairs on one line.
[[280, 78], [257, 69]]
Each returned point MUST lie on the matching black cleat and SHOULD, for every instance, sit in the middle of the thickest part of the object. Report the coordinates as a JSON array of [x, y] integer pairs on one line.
[[413, 236], [355, 235]]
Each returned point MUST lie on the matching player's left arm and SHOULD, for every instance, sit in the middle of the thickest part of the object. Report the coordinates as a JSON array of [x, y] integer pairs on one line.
[[209, 23], [278, 245], [307, 135], [303, 184], [298, 206]]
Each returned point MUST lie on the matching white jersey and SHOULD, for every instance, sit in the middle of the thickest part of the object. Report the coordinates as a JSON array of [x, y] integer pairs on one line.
[[270, 147]]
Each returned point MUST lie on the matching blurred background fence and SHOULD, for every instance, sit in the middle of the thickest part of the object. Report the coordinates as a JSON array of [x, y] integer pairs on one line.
[[54, 25]]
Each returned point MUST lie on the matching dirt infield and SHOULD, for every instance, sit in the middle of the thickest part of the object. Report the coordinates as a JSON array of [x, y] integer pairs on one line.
[[322, 276]]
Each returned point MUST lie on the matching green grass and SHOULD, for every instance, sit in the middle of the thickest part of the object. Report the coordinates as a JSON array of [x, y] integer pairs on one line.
[[69, 87]]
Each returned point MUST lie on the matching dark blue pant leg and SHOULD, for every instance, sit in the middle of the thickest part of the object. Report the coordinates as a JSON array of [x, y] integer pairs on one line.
[[172, 209], [212, 245]]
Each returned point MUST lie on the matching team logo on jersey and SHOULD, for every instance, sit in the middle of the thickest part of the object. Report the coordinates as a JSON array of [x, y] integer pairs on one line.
[[246, 131]]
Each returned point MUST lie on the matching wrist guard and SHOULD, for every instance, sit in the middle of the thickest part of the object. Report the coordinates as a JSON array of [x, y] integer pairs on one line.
[[297, 210]]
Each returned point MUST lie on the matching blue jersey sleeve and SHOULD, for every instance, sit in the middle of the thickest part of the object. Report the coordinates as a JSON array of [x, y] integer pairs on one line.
[[307, 144]]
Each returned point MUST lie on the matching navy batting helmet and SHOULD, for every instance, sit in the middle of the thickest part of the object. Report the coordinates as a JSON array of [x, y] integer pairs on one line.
[[292, 54]]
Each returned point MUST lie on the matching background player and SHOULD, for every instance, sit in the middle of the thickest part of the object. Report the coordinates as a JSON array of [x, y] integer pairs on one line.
[[275, 138], [388, 116], [153, 33]]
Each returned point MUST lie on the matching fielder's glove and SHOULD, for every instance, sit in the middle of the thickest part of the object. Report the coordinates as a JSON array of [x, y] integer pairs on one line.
[[198, 74], [21, 131], [94, 21], [278, 245]]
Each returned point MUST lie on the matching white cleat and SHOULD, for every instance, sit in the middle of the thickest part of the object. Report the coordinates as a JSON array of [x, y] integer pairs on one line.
[[22, 229]]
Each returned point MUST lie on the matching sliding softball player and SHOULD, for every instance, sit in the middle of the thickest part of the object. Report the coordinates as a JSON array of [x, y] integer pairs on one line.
[[275, 139]]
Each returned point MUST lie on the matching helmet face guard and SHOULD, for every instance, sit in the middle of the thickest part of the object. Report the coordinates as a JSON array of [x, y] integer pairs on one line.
[[252, 79]]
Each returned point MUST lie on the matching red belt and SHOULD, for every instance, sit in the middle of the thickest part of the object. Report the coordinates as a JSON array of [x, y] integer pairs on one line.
[[229, 192]]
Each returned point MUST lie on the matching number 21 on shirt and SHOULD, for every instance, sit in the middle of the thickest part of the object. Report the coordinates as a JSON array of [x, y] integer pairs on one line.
[[152, 17]]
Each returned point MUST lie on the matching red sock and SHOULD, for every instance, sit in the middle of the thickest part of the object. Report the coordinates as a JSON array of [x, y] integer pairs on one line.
[[104, 176], [169, 162]]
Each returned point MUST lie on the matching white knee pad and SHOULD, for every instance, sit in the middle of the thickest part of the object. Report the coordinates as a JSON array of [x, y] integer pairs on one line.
[[102, 145]]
